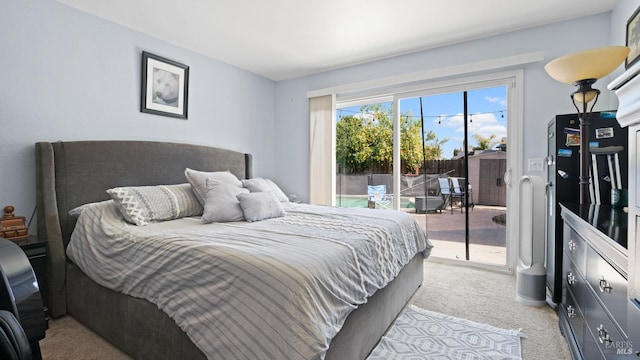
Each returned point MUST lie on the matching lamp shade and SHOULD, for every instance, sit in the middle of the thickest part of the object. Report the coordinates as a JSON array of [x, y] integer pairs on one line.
[[588, 64]]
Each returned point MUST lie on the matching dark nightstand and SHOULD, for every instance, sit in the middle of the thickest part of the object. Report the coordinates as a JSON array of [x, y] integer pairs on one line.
[[36, 251]]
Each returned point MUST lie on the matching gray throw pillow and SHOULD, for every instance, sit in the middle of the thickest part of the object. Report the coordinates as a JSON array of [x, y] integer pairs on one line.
[[198, 181], [221, 202], [262, 185], [259, 206]]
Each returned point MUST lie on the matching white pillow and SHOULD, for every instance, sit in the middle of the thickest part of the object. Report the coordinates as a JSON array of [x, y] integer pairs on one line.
[[141, 205], [258, 206], [198, 181], [221, 202], [262, 185]]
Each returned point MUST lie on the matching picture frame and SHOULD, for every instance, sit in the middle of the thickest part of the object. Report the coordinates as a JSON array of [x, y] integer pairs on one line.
[[165, 86], [633, 39]]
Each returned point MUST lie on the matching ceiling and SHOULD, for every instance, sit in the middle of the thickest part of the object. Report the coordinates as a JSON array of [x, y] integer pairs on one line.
[[284, 39]]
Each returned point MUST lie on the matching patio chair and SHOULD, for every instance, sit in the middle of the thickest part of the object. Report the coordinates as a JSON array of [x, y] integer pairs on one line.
[[461, 192], [448, 194], [378, 196], [445, 191]]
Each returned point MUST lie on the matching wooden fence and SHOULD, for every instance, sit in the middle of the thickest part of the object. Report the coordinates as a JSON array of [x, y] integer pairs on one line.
[[411, 184], [452, 168]]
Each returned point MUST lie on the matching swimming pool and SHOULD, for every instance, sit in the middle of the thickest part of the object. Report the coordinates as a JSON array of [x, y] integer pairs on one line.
[[362, 201]]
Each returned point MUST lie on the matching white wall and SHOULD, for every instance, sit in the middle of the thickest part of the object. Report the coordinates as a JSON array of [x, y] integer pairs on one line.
[[67, 75], [543, 96]]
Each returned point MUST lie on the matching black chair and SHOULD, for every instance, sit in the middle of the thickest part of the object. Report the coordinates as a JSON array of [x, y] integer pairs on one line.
[[14, 344], [23, 318], [462, 192], [449, 196]]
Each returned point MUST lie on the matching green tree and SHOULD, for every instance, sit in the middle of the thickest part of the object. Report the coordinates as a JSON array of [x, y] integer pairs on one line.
[[351, 149], [380, 135], [364, 141], [485, 142], [410, 143]]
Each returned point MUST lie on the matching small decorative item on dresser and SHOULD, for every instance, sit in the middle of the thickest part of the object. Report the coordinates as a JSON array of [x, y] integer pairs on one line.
[[13, 227]]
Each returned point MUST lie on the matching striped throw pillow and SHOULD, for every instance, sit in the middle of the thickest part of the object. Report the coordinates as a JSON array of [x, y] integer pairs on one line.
[[141, 205]]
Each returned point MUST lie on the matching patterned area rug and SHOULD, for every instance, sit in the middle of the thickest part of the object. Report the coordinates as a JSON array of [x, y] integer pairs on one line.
[[423, 334]]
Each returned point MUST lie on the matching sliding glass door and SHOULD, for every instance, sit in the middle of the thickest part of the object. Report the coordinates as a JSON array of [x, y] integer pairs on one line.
[[459, 196], [440, 153], [465, 135]]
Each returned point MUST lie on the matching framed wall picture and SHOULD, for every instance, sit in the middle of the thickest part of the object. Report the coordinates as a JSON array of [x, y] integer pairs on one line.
[[165, 85], [633, 38]]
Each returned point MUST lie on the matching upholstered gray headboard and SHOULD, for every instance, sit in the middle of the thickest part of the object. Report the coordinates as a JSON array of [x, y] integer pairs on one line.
[[73, 173]]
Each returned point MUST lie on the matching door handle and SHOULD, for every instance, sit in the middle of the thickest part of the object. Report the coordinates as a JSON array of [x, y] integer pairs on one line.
[[507, 177], [498, 181]]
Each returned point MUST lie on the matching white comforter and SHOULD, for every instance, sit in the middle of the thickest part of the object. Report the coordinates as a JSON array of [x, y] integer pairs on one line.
[[274, 289]]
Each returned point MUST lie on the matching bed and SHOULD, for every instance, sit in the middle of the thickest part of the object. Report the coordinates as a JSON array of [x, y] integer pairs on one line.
[[72, 174]]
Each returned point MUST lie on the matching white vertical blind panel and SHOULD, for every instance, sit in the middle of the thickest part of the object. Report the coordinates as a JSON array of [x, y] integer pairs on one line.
[[322, 172]]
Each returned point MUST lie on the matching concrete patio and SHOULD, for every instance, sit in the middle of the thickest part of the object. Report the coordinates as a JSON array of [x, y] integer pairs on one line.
[[446, 231]]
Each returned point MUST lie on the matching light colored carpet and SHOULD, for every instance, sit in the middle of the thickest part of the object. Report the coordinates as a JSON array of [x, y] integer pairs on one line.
[[423, 334], [478, 295], [489, 297], [67, 339]]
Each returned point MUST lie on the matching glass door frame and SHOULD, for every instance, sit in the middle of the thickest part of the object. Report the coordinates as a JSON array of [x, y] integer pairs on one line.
[[513, 80]]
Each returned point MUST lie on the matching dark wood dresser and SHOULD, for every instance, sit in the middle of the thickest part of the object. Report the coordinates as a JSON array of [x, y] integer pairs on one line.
[[593, 311]]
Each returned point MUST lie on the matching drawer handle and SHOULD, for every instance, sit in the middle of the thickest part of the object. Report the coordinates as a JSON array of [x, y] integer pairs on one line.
[[605, 286], [572, 245], [571, 311], [571, 279], [603, 336]]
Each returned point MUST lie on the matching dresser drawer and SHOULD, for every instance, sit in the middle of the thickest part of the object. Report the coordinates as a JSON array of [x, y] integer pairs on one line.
[[590, 348], [609, 286], [573, 281], [601, 332], [575, 316], [576, 249]]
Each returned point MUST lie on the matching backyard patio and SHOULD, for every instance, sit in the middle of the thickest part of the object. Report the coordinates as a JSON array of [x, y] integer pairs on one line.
[[446, 232], [446, 227]]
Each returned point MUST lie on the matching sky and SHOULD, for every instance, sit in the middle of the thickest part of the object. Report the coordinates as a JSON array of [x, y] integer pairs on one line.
[[443, 114]]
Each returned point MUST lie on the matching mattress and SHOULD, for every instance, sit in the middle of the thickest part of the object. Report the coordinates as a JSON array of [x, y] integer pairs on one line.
[[279, 288]]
